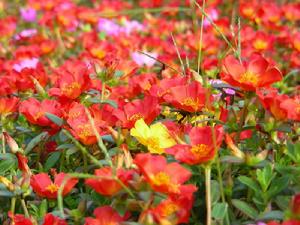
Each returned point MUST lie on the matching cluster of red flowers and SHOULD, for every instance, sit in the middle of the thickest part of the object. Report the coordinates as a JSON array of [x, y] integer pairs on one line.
[[137, 123]]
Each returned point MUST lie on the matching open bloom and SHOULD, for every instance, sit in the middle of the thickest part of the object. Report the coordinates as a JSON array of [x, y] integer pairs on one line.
[[71, 79], [174, 210], [162, 177], [249, 76], [282, 106], [43, 186], [35, 111], [156, 137], [191, 97], [8, 105], [201, 147], [106, 184], [148, 109], [105, 215], [19, 219], [50, 219]]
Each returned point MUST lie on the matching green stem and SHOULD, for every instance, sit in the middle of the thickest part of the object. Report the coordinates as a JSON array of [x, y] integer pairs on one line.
[[13, 205], [82, 149], [23, 203], [208, 194], [99, 139], [3, 137]]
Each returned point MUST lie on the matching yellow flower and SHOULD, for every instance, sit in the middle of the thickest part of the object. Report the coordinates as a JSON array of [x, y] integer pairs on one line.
[[156, 137]]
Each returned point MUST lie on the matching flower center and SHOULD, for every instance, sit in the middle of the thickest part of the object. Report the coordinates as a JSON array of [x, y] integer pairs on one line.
[[161, 178], [169, 209], [52, 188], [260, 44], [38, 115], [200, 149], [248, 77], [136, 116], [194, 103], [153, 143], [69, 88], [85, 130]]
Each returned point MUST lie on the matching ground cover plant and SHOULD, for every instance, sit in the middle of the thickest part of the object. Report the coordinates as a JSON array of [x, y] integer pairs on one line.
[[149, 112]]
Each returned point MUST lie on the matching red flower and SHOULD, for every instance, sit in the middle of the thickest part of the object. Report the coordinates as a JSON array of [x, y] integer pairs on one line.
[[282, 107], [105, 215], [296, 205], [19, 219], [163, 86], [106, 184], [147, 108], [71, 80], [8, 105], [44, 187], [257, 73], [53, 220], [163, 177], [176, 211], [35, 111], [292, 107], [201, 148], [80, 125], [191, 97]]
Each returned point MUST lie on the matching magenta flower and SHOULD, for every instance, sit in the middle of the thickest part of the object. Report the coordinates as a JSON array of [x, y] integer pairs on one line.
[[28, 14]]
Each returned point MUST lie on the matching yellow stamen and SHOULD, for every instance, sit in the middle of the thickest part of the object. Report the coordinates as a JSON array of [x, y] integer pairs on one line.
[[194, 103], [249, 77], [200, 150], [170, 209], [260, 44], [69, 88], [52, 188]]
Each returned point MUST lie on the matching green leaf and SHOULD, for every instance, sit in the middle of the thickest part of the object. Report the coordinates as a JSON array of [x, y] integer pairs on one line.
[[215, 192], [272, 215], [245, 208], [43, 209], [219, 211], [6, 193], [250, 183], [35, 141], [55, 119], [8, 161], [52, 160], [265, 177], [277, 186]]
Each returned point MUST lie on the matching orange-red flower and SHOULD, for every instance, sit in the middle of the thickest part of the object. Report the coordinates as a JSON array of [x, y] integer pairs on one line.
[[35, 111], [191, 97], [292, 107], [105, 215], [249, 76], [19, 219], [71, 80], [43, 186], [282, 107], [296, 205], [8, 105], [175, 210], [50, 219], [271, 101], [80, 125], [147, 109], [162, 177], [201, 147], [106, 184]]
